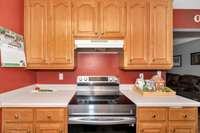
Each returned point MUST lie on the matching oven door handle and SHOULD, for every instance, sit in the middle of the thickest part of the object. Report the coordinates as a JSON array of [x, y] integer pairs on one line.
[[101, 120]]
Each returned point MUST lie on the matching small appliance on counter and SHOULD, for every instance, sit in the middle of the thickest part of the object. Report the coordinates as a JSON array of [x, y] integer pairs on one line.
[[98, 106]]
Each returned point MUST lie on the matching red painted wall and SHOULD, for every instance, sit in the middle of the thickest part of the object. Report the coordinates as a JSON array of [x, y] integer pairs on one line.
[[184, 18], [11, 16], [93, 64]]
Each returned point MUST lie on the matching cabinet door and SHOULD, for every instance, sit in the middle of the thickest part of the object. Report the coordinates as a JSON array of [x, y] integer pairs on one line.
[[182, 127], [85, 18], [161, 32], [151, 127], [18, 128], [50, 128], [59, 39], [137, 46], [112, 18], [35, 31]]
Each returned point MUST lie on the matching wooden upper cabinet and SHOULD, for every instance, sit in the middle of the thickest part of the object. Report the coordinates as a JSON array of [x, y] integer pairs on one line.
[[48, 34], [112, 18], [36, 30], [60, 43], [137, 47], [85, 18], [161, 32]]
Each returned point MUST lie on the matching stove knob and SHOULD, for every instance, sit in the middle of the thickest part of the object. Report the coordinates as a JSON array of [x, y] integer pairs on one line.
[[80, 79], [85, 79]]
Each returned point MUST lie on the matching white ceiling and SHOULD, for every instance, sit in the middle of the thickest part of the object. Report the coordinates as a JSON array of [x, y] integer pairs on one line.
[[186, 4]]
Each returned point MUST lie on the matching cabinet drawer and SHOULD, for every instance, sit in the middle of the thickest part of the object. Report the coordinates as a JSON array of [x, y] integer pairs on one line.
[[152, 114], [50, 115], [21, 115], [182, 114]]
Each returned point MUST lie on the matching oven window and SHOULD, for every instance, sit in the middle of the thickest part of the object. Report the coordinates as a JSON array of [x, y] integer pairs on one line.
[[101, 129]]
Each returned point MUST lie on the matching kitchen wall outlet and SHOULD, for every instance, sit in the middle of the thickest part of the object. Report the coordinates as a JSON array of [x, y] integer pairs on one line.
[[61, 76]]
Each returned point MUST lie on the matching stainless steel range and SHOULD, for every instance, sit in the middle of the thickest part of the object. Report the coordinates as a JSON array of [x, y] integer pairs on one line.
[[98, 104]]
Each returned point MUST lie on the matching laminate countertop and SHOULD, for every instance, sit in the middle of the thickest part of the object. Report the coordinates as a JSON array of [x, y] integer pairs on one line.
[[62, 94]]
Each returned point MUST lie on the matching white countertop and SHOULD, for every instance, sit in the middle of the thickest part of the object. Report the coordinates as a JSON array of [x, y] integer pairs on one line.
[[157, 101], [24, 97]]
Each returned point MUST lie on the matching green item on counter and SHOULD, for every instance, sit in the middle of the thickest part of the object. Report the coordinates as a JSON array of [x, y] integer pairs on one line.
[[167, 89]]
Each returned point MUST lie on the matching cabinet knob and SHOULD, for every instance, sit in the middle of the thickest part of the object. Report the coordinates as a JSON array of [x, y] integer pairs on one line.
[[16, 116], [142, 130], [185, 116], [102, 33], [154, 116], [153, 60], [49, 117]]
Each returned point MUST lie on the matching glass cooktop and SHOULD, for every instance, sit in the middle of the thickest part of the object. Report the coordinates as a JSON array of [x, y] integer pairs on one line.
[[112, 99]]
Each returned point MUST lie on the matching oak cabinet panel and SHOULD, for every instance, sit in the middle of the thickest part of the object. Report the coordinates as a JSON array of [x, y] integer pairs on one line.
[[182, 127], [148, 43], [85, 18], [60, 43], [152, 127], [48, 36], [36, 31], [167, 120], [19, 128], [112, 18], [50, 128], [34, 120], [136, 49], [161, 32]]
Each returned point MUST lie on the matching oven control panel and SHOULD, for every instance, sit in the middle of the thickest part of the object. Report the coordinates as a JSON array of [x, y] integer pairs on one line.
[[97, 79]]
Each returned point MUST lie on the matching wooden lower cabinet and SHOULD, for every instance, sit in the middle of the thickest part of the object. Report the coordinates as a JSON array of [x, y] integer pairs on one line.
[[182, 127], [34, 120], [167, 120], [18, 128], [50, 128], [152, 127]]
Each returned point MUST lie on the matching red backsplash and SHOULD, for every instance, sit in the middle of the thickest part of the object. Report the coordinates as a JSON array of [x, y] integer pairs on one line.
[[92, 64]]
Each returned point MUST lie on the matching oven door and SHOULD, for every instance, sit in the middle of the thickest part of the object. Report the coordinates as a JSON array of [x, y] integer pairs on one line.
[[99, 124]]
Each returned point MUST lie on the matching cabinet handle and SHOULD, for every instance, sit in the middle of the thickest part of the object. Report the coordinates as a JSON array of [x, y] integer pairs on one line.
[[102, 33], [16, 116], [153, 60], [142, 130], [174, 130]]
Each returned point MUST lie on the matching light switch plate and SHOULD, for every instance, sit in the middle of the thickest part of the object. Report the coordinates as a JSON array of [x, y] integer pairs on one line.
[[61, 76]]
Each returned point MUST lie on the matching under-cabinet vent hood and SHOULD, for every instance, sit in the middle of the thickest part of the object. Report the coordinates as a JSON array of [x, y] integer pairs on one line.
[[99, 44]]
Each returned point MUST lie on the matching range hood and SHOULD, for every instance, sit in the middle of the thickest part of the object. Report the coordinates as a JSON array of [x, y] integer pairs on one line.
[[99, 44]]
